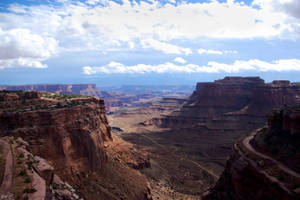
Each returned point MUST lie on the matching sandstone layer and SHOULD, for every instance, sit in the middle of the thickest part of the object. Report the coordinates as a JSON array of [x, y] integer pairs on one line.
[[219, 113], [68, 133], [256, 171], [73, 134]]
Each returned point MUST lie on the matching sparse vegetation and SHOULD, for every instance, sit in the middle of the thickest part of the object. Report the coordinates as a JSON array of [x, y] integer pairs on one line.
[[29, 190], [22, 173], [59, 96], [29, 164], [27, 180], [30, 101]]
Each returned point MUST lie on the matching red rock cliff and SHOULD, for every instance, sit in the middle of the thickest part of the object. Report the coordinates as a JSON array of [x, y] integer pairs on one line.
[[269, 96], [254, 172], [241, 180], [220, 104], [226, 95], [70, 134], [287, 120]]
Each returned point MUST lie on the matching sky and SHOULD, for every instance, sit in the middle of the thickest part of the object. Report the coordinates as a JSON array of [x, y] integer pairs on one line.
[[172, 42]]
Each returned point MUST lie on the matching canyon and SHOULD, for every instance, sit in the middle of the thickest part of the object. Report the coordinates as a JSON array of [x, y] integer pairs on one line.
[[219, 113], [114, 97], [202, 129], [160, 145]]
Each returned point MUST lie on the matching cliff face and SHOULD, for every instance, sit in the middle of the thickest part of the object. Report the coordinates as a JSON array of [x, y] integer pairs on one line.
[[217, 114], [219, 104], [265, 165], [285, 120], [273, 95], [74, 137], [222, 96], [69, 134], [241, 180], [27, 176], [210, 101]]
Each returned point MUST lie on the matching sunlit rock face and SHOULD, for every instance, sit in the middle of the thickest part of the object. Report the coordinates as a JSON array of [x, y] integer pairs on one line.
[[70, 134]]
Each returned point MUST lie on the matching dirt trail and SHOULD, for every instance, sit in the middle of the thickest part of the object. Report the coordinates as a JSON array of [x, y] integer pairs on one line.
[[182, 157], [246, 143], [9, 167]]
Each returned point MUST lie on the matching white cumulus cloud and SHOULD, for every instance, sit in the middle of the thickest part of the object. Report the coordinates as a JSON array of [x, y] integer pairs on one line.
[[101, 25], [211, 67], [180, 60], [21, 48], [211, 51], [165, 47]]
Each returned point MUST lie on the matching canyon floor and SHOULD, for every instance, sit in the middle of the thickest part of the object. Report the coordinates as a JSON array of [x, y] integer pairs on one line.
[[174, 173]]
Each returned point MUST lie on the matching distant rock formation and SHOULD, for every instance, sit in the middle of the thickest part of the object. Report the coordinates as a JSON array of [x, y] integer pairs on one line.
[[84, 89], [219, 113], [220, 104], [112, 99]]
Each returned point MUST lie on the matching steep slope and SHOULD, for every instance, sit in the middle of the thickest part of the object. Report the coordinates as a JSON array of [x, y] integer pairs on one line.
[[266, 164], [27, 176], [75, 127], [70, 132]]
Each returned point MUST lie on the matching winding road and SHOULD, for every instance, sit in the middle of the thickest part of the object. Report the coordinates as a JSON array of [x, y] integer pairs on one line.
[[246, 143]]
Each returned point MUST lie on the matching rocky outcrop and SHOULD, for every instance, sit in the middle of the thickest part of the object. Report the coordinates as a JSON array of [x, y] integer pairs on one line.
[[111, 99], [242, 180], [222, 96], [210, 101], [286, 120], [218, 105], [32, 176], [273, 95], [70, 134], [267, 167]]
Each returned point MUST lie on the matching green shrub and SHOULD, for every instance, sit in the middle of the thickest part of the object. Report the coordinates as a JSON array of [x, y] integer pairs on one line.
[[22, 173], [27, 180], [29, 190]]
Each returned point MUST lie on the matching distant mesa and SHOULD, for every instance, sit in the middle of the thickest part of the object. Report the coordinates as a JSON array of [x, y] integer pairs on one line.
[[239, 79], [219, 113]]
